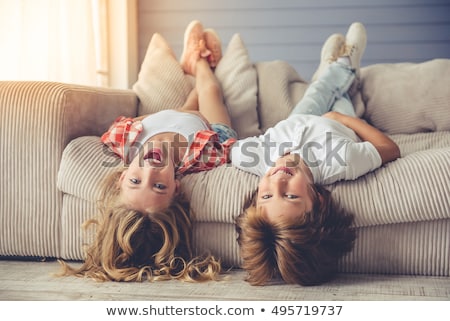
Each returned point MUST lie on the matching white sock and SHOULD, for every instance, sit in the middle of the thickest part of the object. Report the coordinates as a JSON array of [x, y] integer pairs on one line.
[[344, 60]]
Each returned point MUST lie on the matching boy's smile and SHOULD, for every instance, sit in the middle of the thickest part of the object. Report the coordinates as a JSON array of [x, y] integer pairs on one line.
[[284, 191]]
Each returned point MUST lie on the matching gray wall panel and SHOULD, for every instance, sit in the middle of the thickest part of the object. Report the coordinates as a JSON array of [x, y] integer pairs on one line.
[[398, 30]]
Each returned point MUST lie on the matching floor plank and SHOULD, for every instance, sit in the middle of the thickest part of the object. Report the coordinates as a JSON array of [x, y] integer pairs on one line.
[[35, 281]]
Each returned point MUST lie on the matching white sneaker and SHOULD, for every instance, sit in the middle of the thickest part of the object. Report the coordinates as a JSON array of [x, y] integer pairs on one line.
[[331, 50], [355, 45]]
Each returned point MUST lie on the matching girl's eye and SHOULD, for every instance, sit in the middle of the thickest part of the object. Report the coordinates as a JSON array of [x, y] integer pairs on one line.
[[135, 181], [291, 196], [265, 197], [160, 186]]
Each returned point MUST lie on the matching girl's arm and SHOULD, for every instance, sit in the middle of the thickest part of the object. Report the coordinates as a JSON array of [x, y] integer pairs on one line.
[[385, 146], [139, 118]]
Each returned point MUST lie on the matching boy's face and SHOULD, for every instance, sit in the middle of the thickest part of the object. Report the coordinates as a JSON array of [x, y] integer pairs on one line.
[[149, 183], [283, 191]]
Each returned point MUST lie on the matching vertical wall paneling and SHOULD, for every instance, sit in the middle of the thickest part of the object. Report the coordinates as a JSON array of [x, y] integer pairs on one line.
[[293, 30]]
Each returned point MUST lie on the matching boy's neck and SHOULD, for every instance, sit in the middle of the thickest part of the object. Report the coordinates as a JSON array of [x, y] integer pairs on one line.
[[294, 160]]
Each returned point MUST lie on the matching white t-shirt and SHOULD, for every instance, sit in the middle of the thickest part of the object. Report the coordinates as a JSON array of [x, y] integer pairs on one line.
[[332, 151]]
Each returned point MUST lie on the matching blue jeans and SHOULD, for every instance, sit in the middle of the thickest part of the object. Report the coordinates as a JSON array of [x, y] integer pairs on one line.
[[224, 132], [328, 92]]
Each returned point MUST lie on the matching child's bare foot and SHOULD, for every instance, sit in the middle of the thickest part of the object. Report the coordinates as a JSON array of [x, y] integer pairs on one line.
[[194, 47], [214, 45]]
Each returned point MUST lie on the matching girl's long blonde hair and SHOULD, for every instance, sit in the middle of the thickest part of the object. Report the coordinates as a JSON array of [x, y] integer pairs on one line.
[[133, 246]]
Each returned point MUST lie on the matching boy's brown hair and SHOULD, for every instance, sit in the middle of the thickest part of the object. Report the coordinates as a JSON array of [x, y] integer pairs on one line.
[[303, 250]]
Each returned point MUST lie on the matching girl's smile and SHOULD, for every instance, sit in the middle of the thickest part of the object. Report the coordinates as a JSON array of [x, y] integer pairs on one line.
[[149, 183]]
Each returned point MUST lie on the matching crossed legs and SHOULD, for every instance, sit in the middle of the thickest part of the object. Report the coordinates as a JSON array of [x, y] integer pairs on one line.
[[337, 73], [201, 53]]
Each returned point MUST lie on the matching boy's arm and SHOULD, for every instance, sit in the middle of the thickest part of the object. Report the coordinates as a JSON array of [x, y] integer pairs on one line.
[[385, 146]]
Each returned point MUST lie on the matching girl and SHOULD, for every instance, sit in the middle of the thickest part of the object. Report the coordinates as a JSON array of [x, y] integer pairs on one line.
[[144, 228]]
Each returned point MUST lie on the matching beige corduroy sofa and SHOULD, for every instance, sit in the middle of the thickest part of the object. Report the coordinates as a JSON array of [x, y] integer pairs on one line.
[[52, 159]]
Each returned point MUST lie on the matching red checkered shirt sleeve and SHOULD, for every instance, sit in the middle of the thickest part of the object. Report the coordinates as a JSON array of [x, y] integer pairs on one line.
[[205, 153], [121, 135]]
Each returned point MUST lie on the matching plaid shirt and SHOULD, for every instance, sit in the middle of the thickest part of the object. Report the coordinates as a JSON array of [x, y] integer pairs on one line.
[[204, 153]]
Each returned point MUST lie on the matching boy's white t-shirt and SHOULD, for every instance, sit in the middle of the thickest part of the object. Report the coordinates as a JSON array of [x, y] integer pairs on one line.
[[332, 151]]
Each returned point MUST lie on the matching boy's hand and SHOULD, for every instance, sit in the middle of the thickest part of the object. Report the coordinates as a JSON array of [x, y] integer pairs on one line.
[[335, 116], [386, 147], [331, 114]]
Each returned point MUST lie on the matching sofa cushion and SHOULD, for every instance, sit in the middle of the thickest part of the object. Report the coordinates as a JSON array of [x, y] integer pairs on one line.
[[162, 83], [402, 201], [405, 190], [85, 162], [413, 188], [392, 194], [417, 248]]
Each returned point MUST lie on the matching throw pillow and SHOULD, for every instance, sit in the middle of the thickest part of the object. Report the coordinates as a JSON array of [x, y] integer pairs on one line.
[[405, 98], [238, 77], [161, 82]]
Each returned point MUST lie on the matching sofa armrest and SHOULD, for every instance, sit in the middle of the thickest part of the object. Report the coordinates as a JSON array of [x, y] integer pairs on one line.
[[77, 110], [37, 121]]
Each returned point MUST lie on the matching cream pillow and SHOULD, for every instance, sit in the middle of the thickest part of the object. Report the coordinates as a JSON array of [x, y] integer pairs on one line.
[[162, 83], [238, 77], [406, 98], [280, 88]]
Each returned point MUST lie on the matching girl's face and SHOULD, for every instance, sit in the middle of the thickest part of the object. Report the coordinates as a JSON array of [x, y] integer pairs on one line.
[[149, 183], [284, 191]]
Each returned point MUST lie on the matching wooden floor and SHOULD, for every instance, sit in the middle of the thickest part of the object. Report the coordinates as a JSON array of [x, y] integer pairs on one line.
[[34, 281]]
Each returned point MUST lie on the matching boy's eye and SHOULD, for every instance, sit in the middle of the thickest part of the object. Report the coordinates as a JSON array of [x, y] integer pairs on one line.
[[160, 186], [291, 196], [267, 196], [135, 181]]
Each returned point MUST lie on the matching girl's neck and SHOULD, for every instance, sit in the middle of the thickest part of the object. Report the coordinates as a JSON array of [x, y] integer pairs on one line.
[[178, 144]]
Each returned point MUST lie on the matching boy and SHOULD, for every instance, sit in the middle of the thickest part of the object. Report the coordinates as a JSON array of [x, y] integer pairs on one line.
[[294, 229]]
